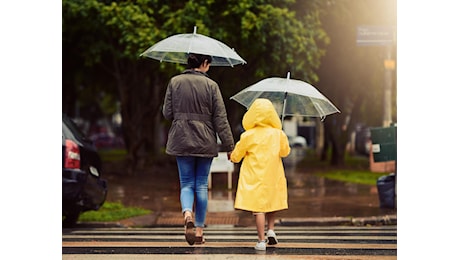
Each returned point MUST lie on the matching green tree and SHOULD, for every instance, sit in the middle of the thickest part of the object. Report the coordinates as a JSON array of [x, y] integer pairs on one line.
[[102, 41], [105, 39]]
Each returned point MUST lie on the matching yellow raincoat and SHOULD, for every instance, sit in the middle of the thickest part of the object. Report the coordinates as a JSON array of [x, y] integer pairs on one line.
[[262, 184]]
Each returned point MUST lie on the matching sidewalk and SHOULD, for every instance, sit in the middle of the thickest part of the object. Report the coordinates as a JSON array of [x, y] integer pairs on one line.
[[173, 219], [152, 220]]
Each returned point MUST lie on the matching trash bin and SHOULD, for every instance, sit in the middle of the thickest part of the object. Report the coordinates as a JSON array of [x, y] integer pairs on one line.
[[386, 187], [384, 143]]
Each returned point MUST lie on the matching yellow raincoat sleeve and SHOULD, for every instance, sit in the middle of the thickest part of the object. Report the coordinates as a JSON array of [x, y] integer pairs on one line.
[[285, 149], [238, 152]]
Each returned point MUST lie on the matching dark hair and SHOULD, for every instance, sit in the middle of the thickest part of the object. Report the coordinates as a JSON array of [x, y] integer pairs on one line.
[[195, 60]]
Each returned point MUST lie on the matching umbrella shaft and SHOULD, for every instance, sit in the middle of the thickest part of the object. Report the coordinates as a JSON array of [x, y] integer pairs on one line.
[[284, 109]]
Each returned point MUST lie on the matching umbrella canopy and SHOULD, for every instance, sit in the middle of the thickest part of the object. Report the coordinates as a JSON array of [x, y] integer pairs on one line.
[[289, 96], [176, 49]]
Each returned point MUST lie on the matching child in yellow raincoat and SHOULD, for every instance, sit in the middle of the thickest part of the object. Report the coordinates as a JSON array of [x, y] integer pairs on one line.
[[262, 186]]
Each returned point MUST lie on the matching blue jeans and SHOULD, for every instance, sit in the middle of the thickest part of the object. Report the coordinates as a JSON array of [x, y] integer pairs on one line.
[[193, 176]]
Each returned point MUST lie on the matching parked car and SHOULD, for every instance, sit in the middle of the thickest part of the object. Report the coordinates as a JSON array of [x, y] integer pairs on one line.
[[106, 140], [83, 189]]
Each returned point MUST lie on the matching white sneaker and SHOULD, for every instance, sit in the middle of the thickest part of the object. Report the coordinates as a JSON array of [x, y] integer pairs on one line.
[[261, 246], [271, 237]]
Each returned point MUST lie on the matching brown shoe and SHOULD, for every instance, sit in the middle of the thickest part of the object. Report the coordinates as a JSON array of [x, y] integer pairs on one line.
[[190, 231], [199, 240]]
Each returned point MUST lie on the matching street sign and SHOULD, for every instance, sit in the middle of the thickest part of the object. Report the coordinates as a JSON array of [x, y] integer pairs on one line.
[[374, 35]]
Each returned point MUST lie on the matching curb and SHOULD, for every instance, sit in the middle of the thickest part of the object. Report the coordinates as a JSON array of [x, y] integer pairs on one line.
[[150, 221], [340, 221]]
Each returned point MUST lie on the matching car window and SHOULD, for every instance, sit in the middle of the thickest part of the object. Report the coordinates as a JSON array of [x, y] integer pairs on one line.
[[74, 128]]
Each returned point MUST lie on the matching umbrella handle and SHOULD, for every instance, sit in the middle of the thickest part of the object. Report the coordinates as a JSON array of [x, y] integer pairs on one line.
[[284, 109]]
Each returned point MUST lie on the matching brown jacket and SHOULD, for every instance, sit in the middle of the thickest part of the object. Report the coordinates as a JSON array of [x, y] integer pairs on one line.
[[194, 104]]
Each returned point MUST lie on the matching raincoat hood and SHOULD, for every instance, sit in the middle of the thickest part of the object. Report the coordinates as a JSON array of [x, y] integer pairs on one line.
[[261, 113]]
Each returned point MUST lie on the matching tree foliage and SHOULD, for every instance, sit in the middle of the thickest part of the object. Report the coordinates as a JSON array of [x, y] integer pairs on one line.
[[102, 41]]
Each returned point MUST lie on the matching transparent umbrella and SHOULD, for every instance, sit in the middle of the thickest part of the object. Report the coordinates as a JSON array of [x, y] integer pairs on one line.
[[176, 49], [289, 96]]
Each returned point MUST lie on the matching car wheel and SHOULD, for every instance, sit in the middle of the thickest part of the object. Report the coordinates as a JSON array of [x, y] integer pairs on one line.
[[70, 219]]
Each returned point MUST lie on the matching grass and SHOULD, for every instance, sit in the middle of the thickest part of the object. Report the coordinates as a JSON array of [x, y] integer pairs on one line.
[[112, 155], [360, 177], [355, 170], [112, 211]]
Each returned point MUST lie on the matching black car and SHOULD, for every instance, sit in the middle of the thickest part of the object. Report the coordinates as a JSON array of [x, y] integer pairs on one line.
[[83, 189]]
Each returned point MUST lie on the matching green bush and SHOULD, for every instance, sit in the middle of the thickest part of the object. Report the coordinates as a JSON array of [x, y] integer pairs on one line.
[[355, 170], [112, 211]]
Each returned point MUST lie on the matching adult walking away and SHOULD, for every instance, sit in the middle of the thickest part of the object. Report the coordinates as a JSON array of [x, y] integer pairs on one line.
[[262, 186], [194, 104]]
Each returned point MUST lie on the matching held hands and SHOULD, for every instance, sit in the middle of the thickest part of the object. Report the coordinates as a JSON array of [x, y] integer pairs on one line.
[[229, 154]]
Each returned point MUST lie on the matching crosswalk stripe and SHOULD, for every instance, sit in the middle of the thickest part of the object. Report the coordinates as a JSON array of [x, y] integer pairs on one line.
[[225, 256], [221, 244], [233, 237], [344, 241]]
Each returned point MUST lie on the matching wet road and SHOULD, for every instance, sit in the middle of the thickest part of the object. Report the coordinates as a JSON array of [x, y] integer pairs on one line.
[[308, 194]]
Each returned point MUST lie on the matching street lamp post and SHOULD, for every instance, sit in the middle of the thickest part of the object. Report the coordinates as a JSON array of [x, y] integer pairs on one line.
[[389, 65]]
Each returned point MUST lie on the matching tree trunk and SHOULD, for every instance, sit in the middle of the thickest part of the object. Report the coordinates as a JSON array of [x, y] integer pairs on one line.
[[141, 95], [335, 138], [320, 137]]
